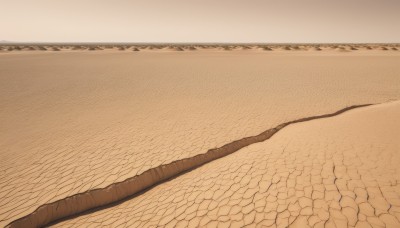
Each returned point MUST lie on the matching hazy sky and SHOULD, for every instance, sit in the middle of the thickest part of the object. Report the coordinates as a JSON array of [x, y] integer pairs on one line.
[[200, 20]]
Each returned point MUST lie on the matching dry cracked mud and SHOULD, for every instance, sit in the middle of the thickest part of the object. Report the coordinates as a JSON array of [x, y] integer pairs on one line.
[[335, 172], [74, 122]]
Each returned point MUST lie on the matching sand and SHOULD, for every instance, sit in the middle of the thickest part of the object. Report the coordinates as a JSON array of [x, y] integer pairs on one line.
[[333, 172], [75, 121]]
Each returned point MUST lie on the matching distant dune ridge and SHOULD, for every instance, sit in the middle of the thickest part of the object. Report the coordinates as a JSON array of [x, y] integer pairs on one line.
[[95, 48], [4, 47]]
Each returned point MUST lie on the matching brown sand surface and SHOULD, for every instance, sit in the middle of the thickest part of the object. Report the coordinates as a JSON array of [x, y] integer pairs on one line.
[[75, 121], [341, 171]]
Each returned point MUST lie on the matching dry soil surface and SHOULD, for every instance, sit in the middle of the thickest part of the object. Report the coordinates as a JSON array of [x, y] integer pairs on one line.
[[341, 171], [77, 121]]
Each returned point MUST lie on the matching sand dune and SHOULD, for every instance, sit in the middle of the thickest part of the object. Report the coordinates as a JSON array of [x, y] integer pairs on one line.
[[176, 48], [265, 48], [216, 47], [191, 48], [114, 116], [77, 48], [95, 48], [10, 48], [227, 48], [244, 47], [28, 48], [40, 48], [297, 48]]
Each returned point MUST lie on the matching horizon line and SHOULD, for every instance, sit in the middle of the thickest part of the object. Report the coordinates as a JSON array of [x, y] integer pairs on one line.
[[186, 43]]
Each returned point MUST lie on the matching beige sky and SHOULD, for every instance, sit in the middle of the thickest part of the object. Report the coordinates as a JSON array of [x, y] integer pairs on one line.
[[200, 20]]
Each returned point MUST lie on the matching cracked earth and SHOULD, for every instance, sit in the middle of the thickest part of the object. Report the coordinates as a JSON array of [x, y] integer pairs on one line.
[[337, 172], [75, 122]]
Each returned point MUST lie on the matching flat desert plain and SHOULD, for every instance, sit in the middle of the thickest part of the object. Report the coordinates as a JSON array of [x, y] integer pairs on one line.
[[211, 135]]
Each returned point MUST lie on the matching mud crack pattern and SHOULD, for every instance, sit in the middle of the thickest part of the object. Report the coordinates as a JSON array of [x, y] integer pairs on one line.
[[336, 172]]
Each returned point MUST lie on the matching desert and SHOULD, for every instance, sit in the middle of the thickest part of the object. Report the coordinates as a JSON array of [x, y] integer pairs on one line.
[[144, 135], [310, 174]]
